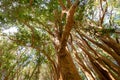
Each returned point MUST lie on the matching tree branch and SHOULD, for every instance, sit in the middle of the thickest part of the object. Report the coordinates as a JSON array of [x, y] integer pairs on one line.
[[69, 23], [62, 5], [69, 3], [31, 2], [103, 12]]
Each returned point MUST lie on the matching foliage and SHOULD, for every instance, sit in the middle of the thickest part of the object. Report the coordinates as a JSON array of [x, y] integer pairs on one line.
[[32, 52]]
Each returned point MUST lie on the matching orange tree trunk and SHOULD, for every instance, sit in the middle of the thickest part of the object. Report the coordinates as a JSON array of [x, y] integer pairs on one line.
[[68, 71], [67, 68]]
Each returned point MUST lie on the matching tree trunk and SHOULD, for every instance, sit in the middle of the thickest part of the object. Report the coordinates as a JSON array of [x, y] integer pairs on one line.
[[68, 71]]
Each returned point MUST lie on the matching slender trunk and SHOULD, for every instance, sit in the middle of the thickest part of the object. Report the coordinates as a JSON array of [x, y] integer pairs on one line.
[[112, 43], [84, 68], [103, 60], [93, 64], [82, 65], [105, 48]]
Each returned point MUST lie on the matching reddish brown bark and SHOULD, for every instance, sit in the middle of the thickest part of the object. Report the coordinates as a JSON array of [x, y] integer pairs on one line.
[[105, 48], [67, 67]]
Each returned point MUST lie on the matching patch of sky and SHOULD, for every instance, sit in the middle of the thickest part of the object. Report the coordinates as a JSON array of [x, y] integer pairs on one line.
[[10, 31], [43, 6], [15, 4]]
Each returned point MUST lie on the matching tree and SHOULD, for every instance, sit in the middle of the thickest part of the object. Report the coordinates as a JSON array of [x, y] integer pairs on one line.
[[69, 39]]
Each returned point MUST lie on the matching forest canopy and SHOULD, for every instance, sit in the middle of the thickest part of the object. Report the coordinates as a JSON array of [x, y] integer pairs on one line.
[[59, 40]]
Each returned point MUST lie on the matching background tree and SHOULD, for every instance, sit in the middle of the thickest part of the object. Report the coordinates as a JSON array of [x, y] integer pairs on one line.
[[59, 40]]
